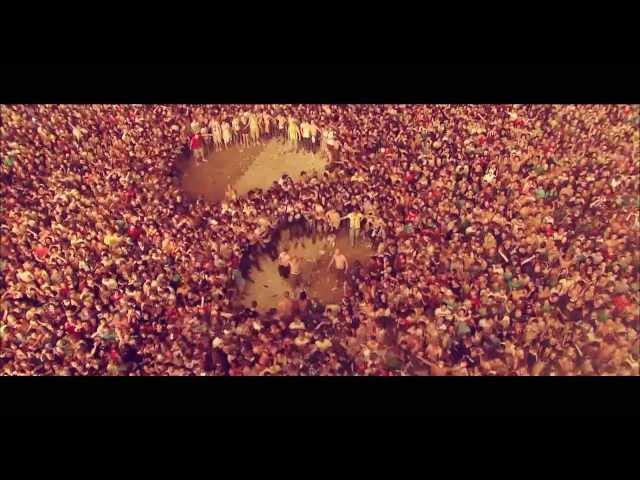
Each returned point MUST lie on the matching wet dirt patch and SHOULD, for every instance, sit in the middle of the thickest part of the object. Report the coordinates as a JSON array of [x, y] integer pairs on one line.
[[246, 169], [267, 286]]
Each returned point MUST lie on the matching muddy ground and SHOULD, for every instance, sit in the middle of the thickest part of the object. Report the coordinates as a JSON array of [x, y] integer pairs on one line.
[[267, 287], [246, 168], [258, 167]]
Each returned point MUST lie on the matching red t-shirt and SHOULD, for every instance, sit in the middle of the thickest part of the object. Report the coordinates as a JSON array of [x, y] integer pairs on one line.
[[196, 142], [549, 231], [114, 355], [621, 302], [476, 302]]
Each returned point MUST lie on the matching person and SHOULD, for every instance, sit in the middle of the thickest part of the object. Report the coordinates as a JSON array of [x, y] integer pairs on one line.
[[230, 193], [304, 306], [195, 126], [340, 262], [305, 133], [245, 130], [331, 240], [254, 128], [329, 144], [355, 220], [317, 218], [77, 133], [206, 137], [267, 120], [236, 128], [293, 133], [238, 280], [558, 297], [285, 307], [216, 133], [295, 266], [284, 264], [333, 219], [227, 135], [282, 126], [314, 132], [197, 146]]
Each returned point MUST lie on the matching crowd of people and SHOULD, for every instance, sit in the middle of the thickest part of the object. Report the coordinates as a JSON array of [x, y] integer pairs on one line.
[[506, 242], [250, 128]]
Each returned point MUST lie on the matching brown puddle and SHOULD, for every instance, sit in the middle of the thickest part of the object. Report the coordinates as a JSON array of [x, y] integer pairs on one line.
[[247, 168], [267, 287]]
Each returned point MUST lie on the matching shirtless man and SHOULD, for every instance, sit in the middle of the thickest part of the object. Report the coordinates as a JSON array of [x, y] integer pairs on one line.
[[254, 128], [282, 126], [341, 264], [230, 194], [227, 136], [314, 131], [216, 133], [295, 270], [333, 218], [235, 128], [318, 215], [329, 144], [266, 124], [305, 132], [285, 307]]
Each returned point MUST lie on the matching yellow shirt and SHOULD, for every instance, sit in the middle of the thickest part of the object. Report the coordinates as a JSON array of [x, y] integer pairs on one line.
[[111, 240], [294, 131], [489, 241], [354, 219]]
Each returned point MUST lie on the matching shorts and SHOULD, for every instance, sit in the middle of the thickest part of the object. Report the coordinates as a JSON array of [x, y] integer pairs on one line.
[[296, 279], [284, 271]]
